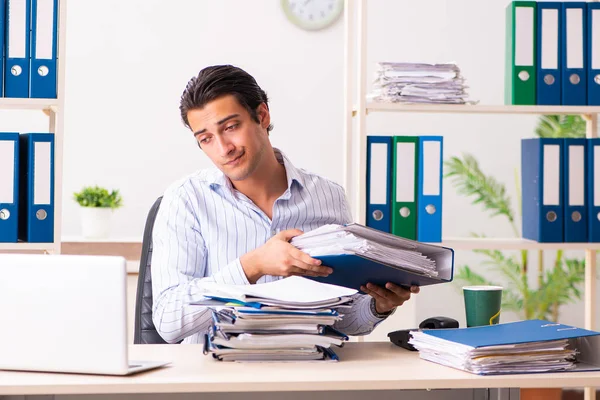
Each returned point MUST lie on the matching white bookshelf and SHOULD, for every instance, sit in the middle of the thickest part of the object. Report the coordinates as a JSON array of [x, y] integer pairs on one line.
[[54, 109], [355, 141]]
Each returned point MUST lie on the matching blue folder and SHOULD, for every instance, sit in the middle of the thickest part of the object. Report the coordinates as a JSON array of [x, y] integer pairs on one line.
[[593, 57], [573, 65], [430, 189], [548, 53], [9, 186], [379, 161], [542, 187], [593, 200], [353, 271], [2, 45], [44, 32], [575, 202], [36, 216], [528, 331], [17, 52]]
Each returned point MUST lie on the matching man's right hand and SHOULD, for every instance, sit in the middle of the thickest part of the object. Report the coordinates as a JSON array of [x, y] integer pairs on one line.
[[279, 258]]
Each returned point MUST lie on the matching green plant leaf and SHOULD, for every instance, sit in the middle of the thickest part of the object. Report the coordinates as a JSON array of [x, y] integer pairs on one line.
[[469, 180], [95, 196], [557, 126]]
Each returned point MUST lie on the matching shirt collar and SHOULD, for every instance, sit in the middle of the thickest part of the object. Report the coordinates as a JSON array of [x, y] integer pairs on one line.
[[217, 177]]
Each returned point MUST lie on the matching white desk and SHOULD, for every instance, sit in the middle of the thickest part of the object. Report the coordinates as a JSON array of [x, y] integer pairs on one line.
[[363, 366]]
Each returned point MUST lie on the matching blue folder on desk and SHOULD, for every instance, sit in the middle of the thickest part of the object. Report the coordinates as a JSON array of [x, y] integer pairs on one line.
[[586, 341]]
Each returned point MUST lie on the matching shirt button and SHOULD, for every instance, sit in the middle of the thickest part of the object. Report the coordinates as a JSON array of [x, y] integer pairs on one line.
[[273, 232]]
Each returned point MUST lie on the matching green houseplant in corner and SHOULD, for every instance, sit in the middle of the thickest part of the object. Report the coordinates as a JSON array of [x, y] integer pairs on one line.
[[557, 285], [97, 205]]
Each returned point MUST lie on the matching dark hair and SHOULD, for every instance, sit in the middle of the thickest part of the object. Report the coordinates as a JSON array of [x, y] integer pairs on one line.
[[220, 80]]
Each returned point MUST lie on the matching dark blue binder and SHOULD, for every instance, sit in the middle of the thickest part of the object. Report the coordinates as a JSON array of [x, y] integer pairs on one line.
[[575, 204], [542, 189], [44, 32], [430, 187], [9, 186], [379, 161], [548, 53], [593, 54], [17, 51], [574, 50], [593, 200], [36, 217], [353, 271], [2, 45]]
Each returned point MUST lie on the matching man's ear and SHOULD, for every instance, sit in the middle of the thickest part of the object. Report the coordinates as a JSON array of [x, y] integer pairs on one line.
[[263, 115]]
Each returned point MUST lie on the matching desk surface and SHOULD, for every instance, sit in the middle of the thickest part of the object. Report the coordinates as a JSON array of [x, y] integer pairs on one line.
[[363, 366]]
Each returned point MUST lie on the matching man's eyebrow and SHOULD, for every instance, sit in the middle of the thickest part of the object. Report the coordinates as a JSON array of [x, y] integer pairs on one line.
[[221, 122]]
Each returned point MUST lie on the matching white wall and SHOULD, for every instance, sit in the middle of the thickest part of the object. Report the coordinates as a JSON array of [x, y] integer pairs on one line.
[[128, 62]]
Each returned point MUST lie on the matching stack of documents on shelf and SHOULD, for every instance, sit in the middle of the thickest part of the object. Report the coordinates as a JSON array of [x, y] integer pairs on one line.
[[359, 255], [419, 83], [530, 346], [286, 320]]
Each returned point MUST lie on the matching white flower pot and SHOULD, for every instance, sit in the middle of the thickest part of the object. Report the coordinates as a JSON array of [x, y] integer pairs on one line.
[[95, 222]]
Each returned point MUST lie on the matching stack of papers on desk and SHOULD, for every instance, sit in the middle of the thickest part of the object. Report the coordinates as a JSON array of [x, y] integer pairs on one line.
[[359, 255], [531, 346], [286, 320], [419, 83]]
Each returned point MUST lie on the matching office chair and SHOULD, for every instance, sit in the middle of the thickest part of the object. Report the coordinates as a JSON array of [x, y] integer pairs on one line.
[[144, 330]]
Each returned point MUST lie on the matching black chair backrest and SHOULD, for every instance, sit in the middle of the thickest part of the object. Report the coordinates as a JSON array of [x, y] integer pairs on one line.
[[145, 331]]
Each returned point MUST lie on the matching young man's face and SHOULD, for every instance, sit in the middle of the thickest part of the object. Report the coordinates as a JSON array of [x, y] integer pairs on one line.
[[230, 137]]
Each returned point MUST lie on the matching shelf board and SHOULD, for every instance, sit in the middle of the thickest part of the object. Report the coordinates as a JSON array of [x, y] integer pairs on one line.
[[511, 244], [27, 104], [480, 109], [22, 246], [81, 239]]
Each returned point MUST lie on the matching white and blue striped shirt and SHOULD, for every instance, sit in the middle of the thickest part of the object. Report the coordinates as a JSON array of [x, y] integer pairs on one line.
[[204, 226]]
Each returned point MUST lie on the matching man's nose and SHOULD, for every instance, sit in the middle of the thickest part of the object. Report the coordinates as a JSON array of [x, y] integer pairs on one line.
[[225, 147]]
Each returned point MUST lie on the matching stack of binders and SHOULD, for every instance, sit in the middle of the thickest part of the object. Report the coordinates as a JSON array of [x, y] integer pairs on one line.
[[28, 36], [286, 320], [26, 187], [561, 189], [404, 186], [552, 53]]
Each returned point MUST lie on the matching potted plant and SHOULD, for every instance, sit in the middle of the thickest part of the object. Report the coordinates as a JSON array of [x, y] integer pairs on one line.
[[97, 205], [557, 285]]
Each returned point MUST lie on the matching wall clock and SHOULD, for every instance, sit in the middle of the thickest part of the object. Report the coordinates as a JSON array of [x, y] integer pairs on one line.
[[312, 15]]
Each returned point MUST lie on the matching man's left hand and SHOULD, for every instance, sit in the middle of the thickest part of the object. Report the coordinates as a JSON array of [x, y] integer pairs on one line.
[[390, 297]]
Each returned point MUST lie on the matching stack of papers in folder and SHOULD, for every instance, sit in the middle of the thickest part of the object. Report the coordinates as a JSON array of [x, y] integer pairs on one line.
[[359, 255], [289, 319], [530, 346], [419, 83]]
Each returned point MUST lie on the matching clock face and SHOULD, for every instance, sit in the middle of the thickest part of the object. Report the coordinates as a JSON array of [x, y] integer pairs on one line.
[[312, 14]]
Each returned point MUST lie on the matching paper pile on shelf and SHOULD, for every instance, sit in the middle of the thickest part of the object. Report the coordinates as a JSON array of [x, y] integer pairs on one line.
[[419, 83], [290, 319]]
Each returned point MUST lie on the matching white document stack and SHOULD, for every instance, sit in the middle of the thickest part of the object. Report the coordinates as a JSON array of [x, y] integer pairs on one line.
[[419, 83], [334, 239], [286, 320], [547, 356]]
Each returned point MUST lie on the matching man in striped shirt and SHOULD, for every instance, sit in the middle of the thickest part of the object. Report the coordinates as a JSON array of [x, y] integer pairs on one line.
[[232, 224]]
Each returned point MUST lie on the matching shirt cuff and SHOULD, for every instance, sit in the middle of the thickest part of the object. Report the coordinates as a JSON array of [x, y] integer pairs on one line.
[[232, 274], [367, 315]]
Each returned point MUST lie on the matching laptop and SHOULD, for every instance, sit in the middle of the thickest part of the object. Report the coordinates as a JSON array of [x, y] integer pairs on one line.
[[65, 313]]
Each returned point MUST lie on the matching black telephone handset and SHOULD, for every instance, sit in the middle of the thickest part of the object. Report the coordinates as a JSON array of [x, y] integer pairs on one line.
[[401, 337]]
